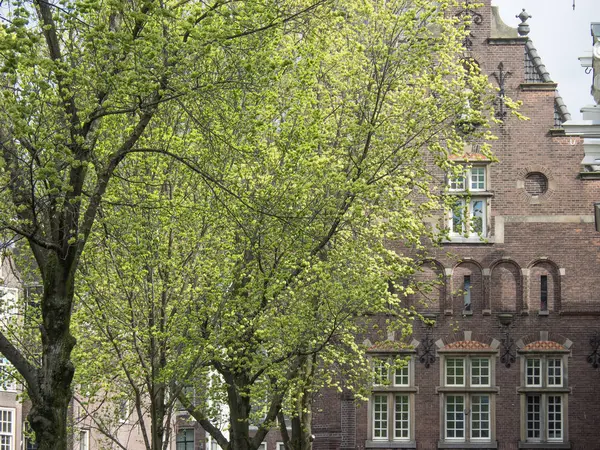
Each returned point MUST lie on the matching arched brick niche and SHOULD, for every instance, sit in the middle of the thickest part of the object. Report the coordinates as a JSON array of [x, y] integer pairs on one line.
[[544, 287], [506, 286], [467, 288], [430, 287]]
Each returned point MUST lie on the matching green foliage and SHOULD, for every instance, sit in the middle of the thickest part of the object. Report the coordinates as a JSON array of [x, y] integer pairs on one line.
[[254, 162]]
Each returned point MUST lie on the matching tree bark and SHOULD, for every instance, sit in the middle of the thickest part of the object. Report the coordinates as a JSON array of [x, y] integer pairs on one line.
[[51, 396]]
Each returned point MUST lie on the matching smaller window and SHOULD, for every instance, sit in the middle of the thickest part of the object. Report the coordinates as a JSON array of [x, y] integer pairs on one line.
[[457, 183], [84, 440], [477, 179], [534, 372], [480, 372], [467, 292], [472, 179], [455, 372], [380, 372], [185, 439], [554, 372], [544, 293], [401, 377]]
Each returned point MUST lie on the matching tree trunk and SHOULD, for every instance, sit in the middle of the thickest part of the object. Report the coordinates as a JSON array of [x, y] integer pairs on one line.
[[239, 412], [52, 395]]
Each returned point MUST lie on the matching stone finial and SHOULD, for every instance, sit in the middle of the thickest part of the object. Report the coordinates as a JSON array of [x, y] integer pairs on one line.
[[523, 27]]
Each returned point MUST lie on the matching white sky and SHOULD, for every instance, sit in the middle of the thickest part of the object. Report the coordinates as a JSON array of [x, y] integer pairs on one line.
[[560, 35]]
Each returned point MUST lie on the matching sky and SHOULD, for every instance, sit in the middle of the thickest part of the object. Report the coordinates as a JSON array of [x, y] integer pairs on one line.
[[560, 35]]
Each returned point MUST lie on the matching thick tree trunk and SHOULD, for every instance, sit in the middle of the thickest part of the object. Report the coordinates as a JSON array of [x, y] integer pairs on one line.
[[48, 416], [239, 411]]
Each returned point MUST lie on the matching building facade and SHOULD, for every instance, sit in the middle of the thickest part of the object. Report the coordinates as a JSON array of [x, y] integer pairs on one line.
[[509, 357]]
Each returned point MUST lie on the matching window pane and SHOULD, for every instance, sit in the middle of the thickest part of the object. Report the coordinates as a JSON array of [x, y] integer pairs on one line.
[[544, 293], [534, 371], [480, 417], [478, 178], [533, 417], [455, 417], [185, 439], [401, 422], [554, 417], [477, 216], [401, 376], [455, 372], [467, 292], [458, 212], [457, 183], [380, 371], [380, 417], [480, 372], [554, 372]]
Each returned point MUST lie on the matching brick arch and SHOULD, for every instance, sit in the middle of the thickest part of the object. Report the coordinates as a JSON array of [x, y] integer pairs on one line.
[[506, 286], [472, 269], [537, 268], [538, 340], [467, 340], [430, 296]]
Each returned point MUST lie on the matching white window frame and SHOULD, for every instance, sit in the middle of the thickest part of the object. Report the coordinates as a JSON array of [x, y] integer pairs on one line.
[[387, 423], [464, 182], [473, 185], [466, 206], [477, 384], [455, 412], [453, 376], [549, 387], [10, 433], [84, 439]]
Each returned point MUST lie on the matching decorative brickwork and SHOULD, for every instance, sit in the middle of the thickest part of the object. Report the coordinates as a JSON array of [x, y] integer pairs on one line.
[[467, 345], [543, 346]]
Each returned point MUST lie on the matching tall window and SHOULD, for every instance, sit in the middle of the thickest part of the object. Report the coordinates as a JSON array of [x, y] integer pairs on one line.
[[84, 440], [544, 396], [544, 293], [185, 439], [467, 394], [469, 213], [7, 429], [467, 292], [391, 405]]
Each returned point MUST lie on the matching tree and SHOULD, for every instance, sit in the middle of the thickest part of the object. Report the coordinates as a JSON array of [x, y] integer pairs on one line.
[[318, 170], [82, 81]]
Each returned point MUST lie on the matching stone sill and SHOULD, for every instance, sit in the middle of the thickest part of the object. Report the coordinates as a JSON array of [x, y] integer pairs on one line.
[[463, 445], [475, 240], [390, 444], [538, 86], [545, 445]]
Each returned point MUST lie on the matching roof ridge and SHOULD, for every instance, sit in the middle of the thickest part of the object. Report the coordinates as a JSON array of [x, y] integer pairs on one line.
[[537, 62]]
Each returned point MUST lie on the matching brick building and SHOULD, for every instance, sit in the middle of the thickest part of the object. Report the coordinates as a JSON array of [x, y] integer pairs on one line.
[[508, 359]]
